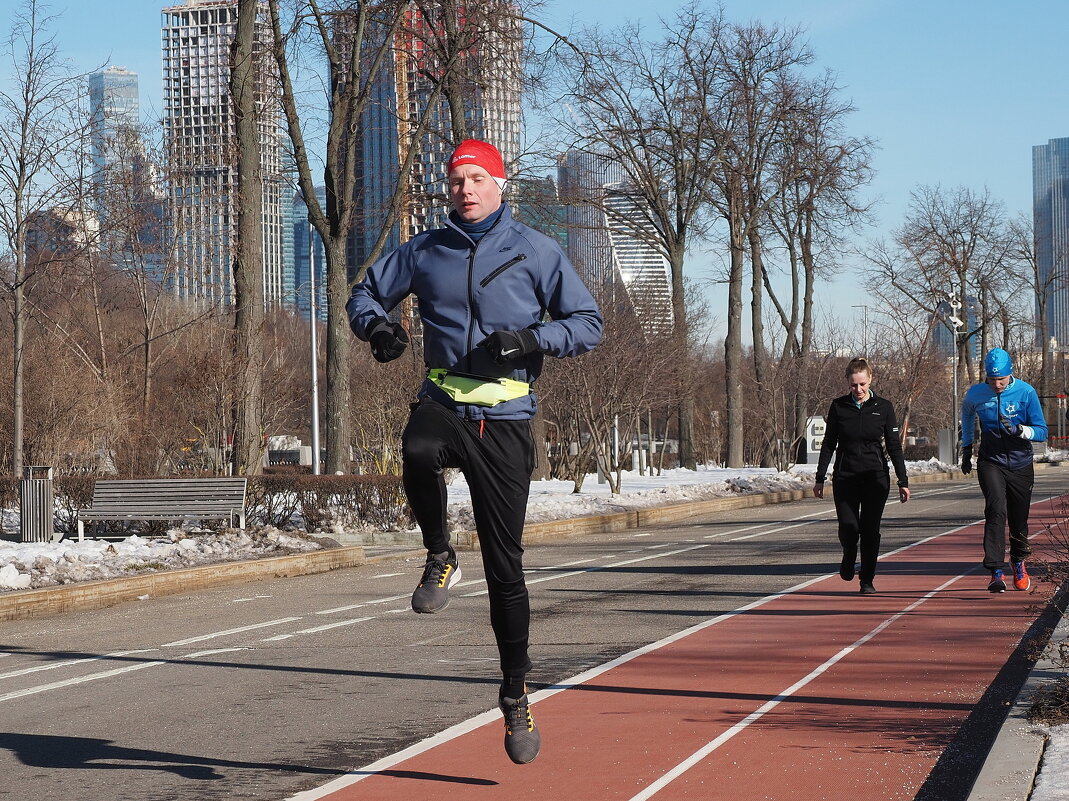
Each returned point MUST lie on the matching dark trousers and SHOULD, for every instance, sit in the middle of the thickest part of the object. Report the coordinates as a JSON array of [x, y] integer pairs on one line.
[[497, 459], [859, 503], [1007, 498]]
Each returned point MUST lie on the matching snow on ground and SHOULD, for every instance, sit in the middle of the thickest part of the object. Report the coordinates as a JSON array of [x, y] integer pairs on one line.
[[1052, 782]]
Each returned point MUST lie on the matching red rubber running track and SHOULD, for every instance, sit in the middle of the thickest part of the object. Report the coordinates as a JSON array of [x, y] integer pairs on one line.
[[815, 693]]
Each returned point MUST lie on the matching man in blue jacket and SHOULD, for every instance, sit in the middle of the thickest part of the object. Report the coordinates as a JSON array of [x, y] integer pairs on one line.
[[1011, 419], [484, 284]]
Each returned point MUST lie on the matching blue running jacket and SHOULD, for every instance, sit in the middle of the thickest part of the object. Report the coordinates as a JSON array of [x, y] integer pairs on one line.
[[466, 291], [1019, 404]]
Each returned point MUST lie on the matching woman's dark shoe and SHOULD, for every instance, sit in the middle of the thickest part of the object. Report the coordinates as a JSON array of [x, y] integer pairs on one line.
[[846, 568], [867, 588]]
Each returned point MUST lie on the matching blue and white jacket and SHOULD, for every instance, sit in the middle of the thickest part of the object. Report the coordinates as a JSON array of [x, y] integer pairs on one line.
[[465, 291], [1017, 403]]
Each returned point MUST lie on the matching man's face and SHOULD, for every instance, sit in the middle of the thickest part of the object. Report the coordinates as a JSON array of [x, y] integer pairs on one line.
[[998, 384], [473, 192]]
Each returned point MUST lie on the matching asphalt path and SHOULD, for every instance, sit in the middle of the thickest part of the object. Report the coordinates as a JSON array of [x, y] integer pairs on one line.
[[267, 689]]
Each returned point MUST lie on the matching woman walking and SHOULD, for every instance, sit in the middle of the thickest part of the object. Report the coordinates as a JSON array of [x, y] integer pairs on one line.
[[861, 430]]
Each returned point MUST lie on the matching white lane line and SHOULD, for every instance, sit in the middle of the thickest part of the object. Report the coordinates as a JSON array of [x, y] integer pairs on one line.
[[316, 629], [250, 598], [239, 630], [56, 685], [599, 568], [387, 575], [53, 665], [351, 607], [771, 531], [680, 769], [213, 652], [822, 513]]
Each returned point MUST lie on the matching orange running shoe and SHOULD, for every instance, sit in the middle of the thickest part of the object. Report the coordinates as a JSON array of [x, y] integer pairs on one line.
[[1021, 580]]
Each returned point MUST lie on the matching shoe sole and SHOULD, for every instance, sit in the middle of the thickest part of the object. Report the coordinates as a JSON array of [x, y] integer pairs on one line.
[[426, 610]]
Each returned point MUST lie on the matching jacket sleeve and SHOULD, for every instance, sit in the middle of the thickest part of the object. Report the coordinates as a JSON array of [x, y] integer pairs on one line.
[[1034, 419], [968, 422], [892, 440], [576, 324], [827, 447], [387, 283]]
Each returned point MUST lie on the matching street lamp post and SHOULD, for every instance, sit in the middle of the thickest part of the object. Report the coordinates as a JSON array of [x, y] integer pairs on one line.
[[954, 323], [314, 345], [864, 330], [314, 354]]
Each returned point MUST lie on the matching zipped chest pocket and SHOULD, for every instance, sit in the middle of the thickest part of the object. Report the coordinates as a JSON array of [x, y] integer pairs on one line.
[[497, 271]]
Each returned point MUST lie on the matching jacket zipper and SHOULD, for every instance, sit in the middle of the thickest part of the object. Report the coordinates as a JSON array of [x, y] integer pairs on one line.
[[502, 268]]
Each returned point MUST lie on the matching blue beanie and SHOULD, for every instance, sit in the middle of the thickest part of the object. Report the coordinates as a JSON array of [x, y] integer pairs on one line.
[[998, 363]]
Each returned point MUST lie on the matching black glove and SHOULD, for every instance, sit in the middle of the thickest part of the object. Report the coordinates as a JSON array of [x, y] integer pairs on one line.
[[504, 346], [966, 459], [1013, 429], [388, 340]]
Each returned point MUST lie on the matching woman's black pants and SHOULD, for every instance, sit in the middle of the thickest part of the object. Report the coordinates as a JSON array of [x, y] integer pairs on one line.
[[859, 503]]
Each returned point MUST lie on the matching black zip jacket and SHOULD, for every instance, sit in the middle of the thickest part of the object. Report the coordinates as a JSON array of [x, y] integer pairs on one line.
[[861, 439]]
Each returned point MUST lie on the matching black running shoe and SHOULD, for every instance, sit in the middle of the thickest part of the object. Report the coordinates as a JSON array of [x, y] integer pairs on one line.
[[998, 583], [440, 573], [867, 588], [522, 740], [846, 568]]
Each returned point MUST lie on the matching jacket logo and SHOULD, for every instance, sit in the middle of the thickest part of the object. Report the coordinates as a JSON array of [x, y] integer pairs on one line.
[[1011, 408]]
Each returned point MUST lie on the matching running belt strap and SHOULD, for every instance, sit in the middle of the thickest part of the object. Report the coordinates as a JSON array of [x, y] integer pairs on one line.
[[477, 390]]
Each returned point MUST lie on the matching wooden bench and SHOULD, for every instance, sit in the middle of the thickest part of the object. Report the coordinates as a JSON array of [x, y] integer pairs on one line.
[[166, 499]]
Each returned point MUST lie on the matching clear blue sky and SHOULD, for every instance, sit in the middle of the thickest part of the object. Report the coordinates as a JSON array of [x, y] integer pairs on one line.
[[955, 91]]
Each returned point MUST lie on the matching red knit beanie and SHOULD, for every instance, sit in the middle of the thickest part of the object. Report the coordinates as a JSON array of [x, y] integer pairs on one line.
[[481, 154]]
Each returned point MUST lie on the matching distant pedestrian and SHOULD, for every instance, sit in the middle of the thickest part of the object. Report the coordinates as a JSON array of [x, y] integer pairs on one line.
[[861, 431], [1011, 419], [495, 297]]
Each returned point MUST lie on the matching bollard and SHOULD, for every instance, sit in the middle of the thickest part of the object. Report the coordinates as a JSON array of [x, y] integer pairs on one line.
[[36, 505]]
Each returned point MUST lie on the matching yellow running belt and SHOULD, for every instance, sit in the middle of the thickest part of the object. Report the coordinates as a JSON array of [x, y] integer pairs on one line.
[[477, 390]]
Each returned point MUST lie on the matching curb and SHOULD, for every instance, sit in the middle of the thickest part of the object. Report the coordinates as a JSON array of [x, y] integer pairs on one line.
[[1011, 766], [43, 601], [21, 604]]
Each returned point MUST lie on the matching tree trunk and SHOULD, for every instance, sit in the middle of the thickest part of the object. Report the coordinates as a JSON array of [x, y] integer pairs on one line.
[[339, 345], [733, 343], [247, 452]]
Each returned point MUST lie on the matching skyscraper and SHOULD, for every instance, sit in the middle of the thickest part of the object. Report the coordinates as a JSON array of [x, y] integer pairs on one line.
[[303, 257], [1050, 212], [606, 252], [490, 92], [199, 142], [115, 114]]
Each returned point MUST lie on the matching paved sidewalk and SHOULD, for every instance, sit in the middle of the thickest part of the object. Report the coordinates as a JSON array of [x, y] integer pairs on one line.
[[1011, 766]]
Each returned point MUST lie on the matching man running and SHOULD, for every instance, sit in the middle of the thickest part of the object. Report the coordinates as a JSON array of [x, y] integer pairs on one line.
[[484, 285], [1011, 419]]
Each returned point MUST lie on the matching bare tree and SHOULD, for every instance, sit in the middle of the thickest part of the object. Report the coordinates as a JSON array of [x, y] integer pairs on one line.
[[644, 106], [952, 244], [819, 169], [246, 71], [40, 121]]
